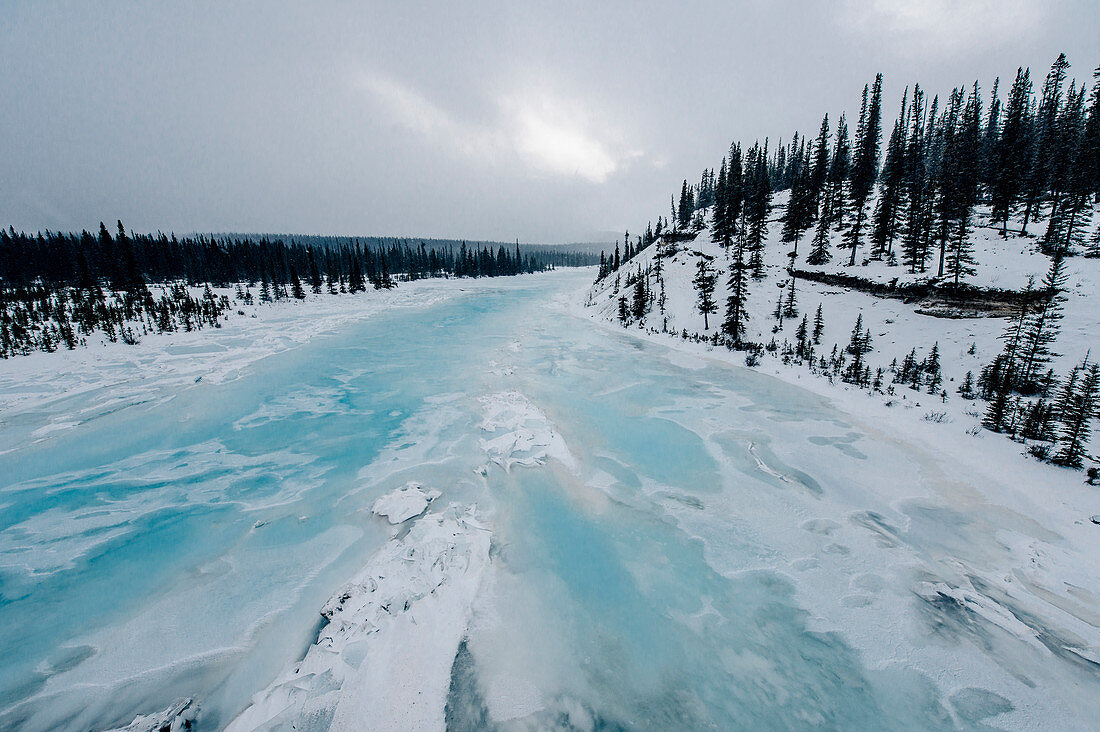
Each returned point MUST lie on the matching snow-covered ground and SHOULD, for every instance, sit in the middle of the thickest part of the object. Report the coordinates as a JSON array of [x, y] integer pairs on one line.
[[964, 344], [38, 392], [633, 531]]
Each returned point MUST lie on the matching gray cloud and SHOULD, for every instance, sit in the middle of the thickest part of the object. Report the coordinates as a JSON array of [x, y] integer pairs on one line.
[[543, 121]]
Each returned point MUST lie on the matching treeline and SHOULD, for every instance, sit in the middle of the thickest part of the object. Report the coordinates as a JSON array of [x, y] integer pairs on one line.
[[59, 259], [1029, 157], [557, 256], [56, 289]]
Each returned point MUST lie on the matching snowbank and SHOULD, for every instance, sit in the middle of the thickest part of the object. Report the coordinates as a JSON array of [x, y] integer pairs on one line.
[[384, 659]]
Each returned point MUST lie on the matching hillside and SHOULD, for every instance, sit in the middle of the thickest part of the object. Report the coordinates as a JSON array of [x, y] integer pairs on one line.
[[967, 337]]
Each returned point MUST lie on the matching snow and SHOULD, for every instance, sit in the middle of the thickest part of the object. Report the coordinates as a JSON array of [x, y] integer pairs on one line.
[[406, 502], [176, 718], [522, 434], [37, 391], [720, 542], [1015, 553], [383, 660], [965, 343]]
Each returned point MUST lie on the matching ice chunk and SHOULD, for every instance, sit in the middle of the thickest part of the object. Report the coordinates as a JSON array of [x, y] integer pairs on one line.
[[523, 434], [178, 716], [404, 503], [384, 659]]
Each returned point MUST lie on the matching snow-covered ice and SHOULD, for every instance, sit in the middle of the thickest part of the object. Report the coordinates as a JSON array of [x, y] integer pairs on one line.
[[406, 502], [663, 538], [522, 435], [175, 718], [383, 659]]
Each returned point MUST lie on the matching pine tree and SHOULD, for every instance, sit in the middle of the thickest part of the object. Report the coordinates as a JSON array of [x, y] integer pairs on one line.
[[640, 302], [733, 326], [1073, 436], [1013, 151], [819, 325], [888, 211], [704, 282], [790, 304], [865, 162], [1042, 327]]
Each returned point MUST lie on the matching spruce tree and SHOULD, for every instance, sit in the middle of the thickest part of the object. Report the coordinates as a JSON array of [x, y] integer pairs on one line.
[[757, 206], [704, 282], [790, 303], [1077, 415], [687, 206], [1044, 140], [800, 212], [801, 337], [296, 285], [819, 172], [314, 272], [836, 190], [931, 368], [889, 208], [864, 163], [733, 326], [1042, 327], [640, 302], [1013, 151], [859, 345]]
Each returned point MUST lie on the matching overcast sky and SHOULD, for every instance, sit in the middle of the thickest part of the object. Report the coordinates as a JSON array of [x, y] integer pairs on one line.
[[549, 121]]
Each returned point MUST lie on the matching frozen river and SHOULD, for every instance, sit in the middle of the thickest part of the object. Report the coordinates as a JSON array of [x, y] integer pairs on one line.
[[676, 543]]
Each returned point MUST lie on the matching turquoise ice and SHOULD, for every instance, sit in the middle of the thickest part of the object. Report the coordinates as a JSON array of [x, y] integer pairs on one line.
[[715, 554]]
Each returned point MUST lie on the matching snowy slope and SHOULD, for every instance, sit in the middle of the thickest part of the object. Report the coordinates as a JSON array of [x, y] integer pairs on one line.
[[965, 344]]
